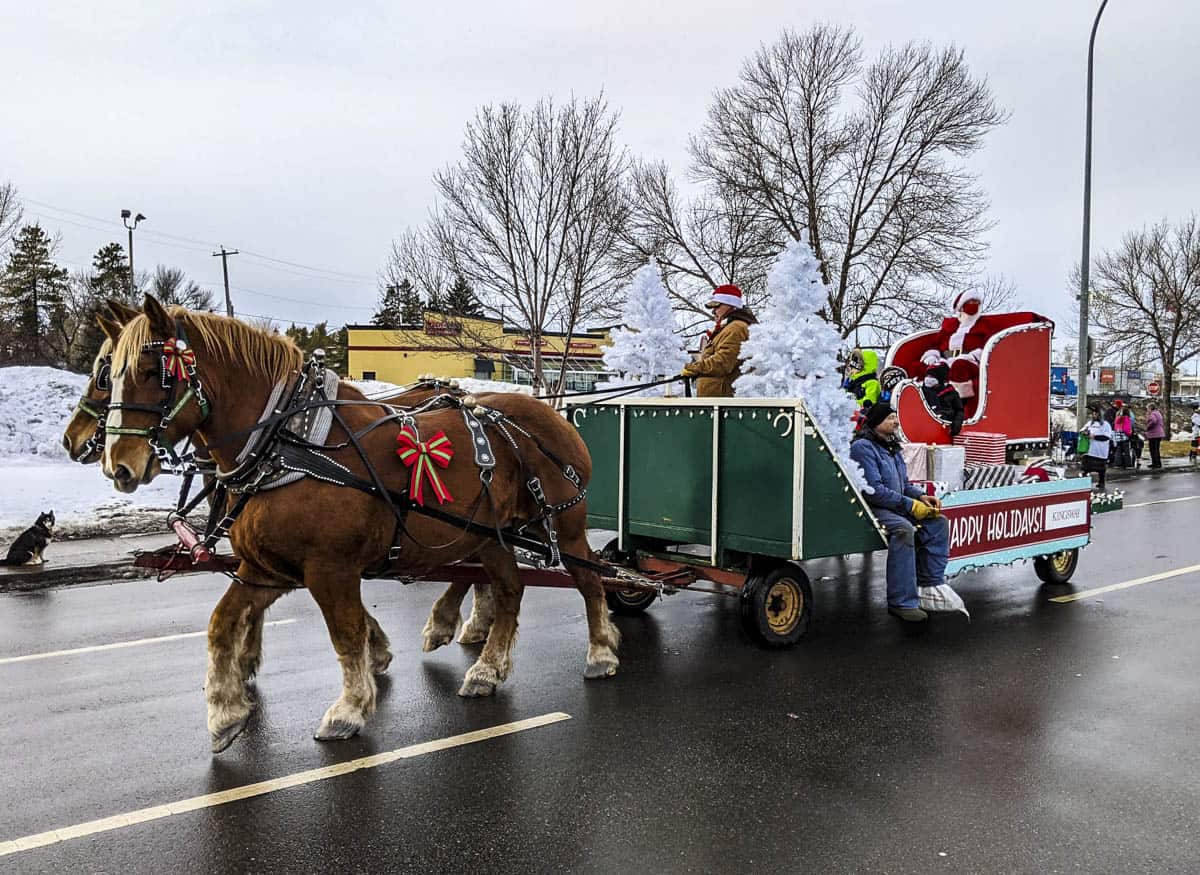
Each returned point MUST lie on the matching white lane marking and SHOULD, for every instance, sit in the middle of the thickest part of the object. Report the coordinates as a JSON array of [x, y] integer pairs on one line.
[[247, 791], [1163, 501], [29, 657], [1112, 587]]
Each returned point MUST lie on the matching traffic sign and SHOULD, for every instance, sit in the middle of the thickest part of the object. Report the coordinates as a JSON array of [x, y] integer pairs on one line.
[[1153, 387]]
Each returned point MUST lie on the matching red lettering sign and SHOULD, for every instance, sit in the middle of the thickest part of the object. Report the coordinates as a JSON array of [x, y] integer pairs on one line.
[[987, 527]]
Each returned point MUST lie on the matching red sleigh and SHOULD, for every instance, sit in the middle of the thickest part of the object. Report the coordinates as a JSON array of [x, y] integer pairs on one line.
[[1013, 396]]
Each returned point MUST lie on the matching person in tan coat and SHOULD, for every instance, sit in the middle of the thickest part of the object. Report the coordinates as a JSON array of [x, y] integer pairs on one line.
[[720, 359]]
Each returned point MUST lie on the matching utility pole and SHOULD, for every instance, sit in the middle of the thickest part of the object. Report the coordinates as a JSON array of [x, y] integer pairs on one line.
[[125, 219], [224, 256], [1084, 261]]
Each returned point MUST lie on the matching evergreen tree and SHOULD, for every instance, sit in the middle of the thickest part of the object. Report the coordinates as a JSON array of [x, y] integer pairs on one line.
[[31, 291], [319, 337], [792, 351], [412, 309], [108, 278], [461, 300], [399, 305], [389, 313], [646, 348]]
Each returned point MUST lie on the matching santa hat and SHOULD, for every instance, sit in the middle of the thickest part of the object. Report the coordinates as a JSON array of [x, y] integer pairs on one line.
[[728, 294], [962, 298]]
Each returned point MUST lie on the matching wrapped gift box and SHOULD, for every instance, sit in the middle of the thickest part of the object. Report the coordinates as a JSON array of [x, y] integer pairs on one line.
[[916, 459], [983, 448], [946, 466]]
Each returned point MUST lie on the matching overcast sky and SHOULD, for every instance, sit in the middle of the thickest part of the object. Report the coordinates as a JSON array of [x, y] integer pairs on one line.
[[308, 132]]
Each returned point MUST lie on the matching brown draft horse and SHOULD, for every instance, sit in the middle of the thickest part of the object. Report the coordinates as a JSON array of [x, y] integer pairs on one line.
[[84, 446], [323, 537]]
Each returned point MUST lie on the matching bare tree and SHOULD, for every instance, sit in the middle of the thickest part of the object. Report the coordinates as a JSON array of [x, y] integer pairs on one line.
[[530, 213], [11, 212], [171, 286], [877, 187], [417, 256], [1145, 297], [714, 238]]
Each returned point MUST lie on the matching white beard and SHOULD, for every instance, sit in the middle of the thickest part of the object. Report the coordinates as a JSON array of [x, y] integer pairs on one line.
[[965, 324]]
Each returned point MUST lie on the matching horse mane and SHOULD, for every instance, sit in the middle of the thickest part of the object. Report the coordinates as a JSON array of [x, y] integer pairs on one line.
[[106, 348], [228, 340]]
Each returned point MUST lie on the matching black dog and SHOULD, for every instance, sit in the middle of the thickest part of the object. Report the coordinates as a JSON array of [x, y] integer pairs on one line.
[[27, 549]]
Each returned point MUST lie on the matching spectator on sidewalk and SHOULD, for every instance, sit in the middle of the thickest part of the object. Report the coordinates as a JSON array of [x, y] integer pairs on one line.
[[1122, 453], [1156, 430], [1195, 432], [1099, 432]]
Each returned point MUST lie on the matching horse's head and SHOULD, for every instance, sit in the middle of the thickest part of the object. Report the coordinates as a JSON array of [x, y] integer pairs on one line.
[[157, 399], [83, 438]]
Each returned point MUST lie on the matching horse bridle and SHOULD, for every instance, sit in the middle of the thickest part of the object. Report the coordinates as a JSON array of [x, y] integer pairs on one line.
[[97, 410], [177, 363]]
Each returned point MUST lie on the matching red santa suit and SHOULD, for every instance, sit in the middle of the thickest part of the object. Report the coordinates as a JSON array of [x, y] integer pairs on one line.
[[960, 343]]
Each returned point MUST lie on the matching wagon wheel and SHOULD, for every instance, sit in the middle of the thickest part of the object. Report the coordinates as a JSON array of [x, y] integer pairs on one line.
[[777, 606], [1057, 567], [624, 601]]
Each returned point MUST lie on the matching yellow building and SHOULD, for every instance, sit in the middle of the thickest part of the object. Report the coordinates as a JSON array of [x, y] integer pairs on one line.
[[486, 349]]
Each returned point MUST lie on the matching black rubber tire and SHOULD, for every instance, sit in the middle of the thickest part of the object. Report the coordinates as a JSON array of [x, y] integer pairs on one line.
[[627, 602], [777, 606], [1057, 568]]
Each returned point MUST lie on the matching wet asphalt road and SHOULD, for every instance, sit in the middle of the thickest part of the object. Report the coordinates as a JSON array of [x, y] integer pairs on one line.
[[1039, 737]]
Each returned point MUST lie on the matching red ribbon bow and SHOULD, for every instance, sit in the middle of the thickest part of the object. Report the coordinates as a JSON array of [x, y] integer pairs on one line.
[[177, 358], [421, 457]]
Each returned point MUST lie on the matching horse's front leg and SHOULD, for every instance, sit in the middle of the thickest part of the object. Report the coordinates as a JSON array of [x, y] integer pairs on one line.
[[234, 653], [338, 595]]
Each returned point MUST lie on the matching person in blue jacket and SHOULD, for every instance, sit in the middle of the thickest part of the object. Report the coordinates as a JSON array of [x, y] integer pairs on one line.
[[918, 535]]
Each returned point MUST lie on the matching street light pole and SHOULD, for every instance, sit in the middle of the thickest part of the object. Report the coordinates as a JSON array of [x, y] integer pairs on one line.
[[125, 218], [1085, 259]]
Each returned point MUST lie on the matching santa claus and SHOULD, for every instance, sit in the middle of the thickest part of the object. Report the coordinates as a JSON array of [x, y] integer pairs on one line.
[[960, 342]]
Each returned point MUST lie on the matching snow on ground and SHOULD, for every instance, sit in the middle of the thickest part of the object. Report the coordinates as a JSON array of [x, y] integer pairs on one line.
[[380, 389], [35, 405]]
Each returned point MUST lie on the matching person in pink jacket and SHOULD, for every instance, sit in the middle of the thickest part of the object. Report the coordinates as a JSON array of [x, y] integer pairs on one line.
[[1156, 430], [1122, 431]]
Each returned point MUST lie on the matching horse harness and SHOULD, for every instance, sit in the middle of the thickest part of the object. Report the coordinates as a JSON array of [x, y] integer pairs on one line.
[[276, 450]]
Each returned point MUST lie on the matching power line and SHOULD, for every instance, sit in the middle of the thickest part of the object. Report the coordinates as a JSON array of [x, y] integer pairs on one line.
[[330, 274]]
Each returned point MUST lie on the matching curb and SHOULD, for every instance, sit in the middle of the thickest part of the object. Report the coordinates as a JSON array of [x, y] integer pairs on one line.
[[1122, 474], [72, 575]]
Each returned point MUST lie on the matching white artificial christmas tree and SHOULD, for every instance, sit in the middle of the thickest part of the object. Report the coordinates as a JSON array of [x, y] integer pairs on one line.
[[792, 351], [646, 348]]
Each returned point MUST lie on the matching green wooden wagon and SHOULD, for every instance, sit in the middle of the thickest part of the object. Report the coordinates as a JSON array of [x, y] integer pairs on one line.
[[740, 491]]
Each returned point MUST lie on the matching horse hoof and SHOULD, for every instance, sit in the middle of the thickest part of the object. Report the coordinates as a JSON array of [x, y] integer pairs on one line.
[[223, 738], [471, 635], [603, 668], [434, 640], [476, 689], [480, 680], [337, 730], [379, 664]]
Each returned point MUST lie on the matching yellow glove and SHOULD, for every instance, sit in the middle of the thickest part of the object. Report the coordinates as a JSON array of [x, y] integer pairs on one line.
[[922, 511], [688, 370]]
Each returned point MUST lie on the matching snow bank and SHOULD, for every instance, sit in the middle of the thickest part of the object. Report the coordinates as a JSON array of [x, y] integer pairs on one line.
[[379, 389], [35, 404]]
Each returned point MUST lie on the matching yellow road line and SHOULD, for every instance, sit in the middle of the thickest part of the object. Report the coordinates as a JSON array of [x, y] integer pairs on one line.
[[1162, 501], [97, 648], [1112, 587], [247, 791]]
